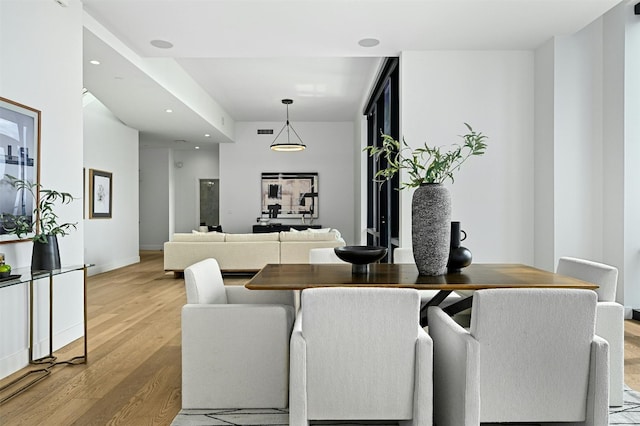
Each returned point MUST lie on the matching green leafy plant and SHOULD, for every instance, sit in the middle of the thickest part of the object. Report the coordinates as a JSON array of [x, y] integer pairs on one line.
[[425, 164], [46, 220]]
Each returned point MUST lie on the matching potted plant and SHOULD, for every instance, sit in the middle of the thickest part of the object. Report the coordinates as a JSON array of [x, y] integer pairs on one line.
[[46, 255], [428, 168]]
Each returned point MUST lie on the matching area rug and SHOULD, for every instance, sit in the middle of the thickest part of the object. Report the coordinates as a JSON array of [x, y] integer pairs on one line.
[[628, 414]]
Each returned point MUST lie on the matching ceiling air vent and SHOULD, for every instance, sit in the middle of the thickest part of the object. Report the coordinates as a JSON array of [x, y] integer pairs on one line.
[[265, 131]]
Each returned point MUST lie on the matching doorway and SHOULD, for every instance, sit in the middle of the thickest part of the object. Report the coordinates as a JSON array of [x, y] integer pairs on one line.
[[210, 202]]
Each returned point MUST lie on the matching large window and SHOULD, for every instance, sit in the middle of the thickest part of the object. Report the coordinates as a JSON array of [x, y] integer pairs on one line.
[[383, 200]]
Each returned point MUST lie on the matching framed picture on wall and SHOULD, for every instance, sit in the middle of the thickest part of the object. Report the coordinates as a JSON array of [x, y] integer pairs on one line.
[[19, 158], [290, 195], [100, 194]]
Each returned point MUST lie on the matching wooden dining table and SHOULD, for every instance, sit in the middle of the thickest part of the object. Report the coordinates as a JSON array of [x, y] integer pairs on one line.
[[475, 277]]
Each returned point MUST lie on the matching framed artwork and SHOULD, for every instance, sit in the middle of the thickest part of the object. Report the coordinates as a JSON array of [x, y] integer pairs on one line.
[[100, 194], [20, 158], [290, 195]]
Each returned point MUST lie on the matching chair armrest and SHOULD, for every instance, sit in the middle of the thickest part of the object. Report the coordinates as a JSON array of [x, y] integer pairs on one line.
[[598, 389], [610, 321], [610, 326], [456, 371], [237, 294], [423, 387], [297, 376]]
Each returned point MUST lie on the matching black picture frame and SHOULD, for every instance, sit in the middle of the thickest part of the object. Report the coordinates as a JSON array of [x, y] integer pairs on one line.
[[290, 195]]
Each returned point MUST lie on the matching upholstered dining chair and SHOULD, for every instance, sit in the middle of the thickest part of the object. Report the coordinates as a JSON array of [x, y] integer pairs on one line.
[[531, 355], [609, 315], [324, 255], [360, 354], [235, 343]]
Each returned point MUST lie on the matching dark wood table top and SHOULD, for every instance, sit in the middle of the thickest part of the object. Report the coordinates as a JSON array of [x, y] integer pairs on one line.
[[474, 277]]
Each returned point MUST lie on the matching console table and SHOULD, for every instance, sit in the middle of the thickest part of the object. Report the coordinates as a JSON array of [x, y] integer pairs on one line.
[[46, 363], [278, 227]]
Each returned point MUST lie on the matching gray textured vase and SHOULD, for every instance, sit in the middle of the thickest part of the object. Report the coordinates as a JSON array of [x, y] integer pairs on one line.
[[431, 228]]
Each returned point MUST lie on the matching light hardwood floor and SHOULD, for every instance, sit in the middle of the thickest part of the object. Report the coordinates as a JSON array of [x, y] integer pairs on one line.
[[133, 374]]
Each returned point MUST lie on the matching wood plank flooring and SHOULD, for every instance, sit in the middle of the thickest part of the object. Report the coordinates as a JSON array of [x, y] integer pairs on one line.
[[133, 374]]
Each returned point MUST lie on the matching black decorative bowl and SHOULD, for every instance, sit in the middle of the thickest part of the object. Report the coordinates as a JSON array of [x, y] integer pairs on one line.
[[360, 256]]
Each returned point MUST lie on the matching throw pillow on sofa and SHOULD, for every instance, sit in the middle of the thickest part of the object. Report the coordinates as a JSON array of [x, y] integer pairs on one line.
[[204, 237], [309, 236]]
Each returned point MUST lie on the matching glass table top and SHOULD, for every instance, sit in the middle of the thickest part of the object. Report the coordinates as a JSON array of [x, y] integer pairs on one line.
[[23, 275]]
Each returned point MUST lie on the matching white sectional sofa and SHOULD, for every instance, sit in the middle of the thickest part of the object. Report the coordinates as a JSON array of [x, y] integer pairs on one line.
[[246, 252]]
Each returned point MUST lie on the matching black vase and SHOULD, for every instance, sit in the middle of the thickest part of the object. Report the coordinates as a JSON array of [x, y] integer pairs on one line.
[[459, 257], [45, 256]]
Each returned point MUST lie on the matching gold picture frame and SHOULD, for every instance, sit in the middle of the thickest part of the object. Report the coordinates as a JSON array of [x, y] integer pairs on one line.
[[100, 194], [20, 158]]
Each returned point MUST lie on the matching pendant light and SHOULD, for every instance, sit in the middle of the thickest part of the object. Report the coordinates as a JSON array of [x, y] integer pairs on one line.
[[287, 145]]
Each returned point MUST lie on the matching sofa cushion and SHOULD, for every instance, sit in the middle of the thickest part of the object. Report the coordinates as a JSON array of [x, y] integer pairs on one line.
[[267, 236], [308, 236], [205, 237]]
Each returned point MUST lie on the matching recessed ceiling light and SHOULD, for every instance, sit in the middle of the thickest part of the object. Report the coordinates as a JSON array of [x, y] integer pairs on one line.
[[168, 110], [207, 135], [94, 62], [161, 44], [197, 147], [369, 42]]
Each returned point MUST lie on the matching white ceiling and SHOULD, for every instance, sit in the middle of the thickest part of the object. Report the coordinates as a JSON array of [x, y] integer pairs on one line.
[[249, 54]]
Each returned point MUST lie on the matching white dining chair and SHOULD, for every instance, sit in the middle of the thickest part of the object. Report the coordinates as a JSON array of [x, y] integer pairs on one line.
[[324, 255], [609, 315], [530, 355], [360, 354], [235, 343]]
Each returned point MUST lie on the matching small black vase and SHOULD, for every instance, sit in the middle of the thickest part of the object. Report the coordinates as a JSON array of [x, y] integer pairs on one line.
[[459, 257], [45, 256]]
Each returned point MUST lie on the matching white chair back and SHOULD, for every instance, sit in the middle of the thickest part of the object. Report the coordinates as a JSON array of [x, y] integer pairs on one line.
[[204, 283], [533, 339], [324, 255], [605, 276], [360, 352], [403, 255]]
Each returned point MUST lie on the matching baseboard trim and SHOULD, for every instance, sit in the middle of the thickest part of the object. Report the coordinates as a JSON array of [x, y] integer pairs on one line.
[[106, 267], [20, 359], [152, 247], [14, 362]]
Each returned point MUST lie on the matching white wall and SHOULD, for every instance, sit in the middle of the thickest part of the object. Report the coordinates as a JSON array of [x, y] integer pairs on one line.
[[329, 152], [543, 160], [492, 195], [586, 148], [168, 194], [623, 17], [196, 165], [111, 146], [577, 144], [41, 66], [156, 197]]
